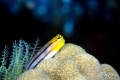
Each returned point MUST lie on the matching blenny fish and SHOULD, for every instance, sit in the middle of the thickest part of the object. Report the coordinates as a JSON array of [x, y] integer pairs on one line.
[[47, 51]]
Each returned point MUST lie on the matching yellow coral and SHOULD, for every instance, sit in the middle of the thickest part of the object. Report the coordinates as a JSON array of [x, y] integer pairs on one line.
[[110, 73], [50, 67], [34, 74], [69, 71], [90, 66], [71, 63]]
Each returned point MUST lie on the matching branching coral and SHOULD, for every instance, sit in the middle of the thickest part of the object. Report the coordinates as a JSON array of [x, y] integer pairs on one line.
[[18, 59], [71, 63], [20, 56]]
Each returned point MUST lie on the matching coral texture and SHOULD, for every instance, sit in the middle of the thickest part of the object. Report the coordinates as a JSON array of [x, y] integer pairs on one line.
[[109, 72], [71, 63]]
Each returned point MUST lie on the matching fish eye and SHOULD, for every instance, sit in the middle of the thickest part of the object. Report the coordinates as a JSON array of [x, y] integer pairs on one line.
[[58, 38]]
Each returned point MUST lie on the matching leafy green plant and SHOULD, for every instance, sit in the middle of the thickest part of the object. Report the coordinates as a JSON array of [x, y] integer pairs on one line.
[[21, 53]]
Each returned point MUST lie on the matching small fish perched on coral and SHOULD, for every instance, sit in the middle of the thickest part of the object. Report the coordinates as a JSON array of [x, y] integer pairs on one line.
[[47, 51], [71, 62]]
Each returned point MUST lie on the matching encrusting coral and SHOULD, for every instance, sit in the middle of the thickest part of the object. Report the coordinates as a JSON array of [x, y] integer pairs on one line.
[[71, 63], [109, 72]]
